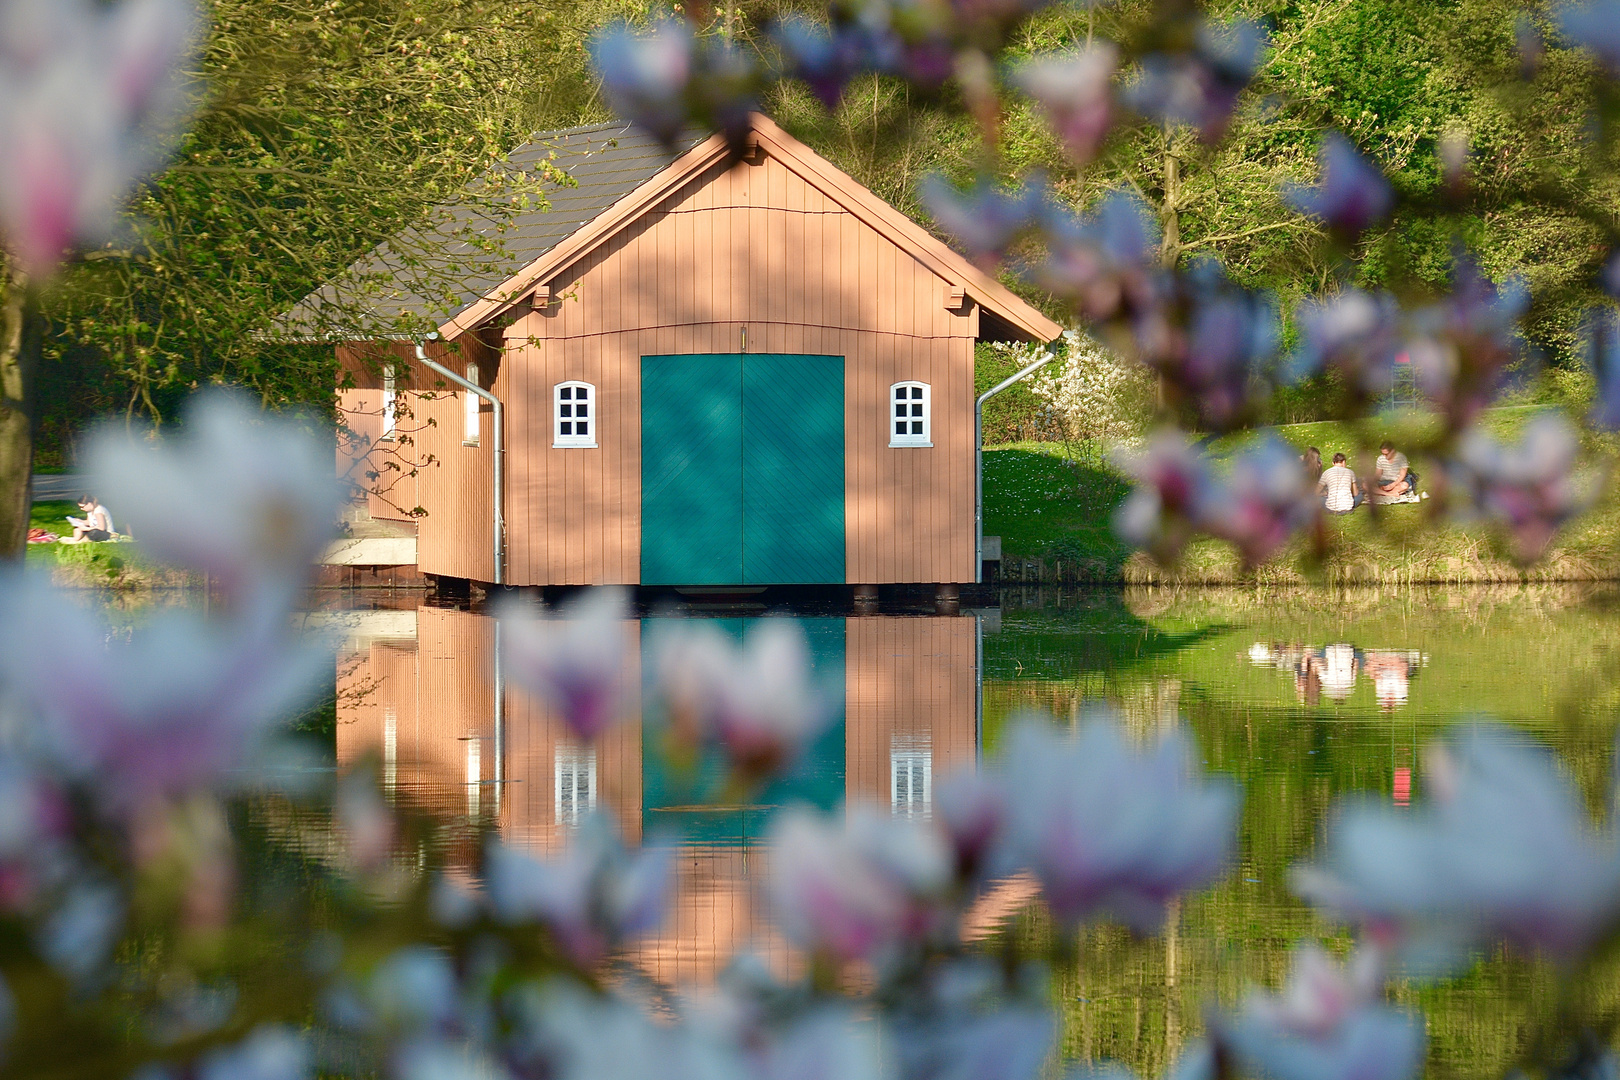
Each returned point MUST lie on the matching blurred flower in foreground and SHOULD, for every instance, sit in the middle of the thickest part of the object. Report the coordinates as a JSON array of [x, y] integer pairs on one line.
[[1075, 92], [1531, 488], [987, 218], [1005, 1044], [569, 1034], [1105, 261], [1200, 87], [1172, 499], [1328, 1024], [972, 809], [857, 887], [1351, 195], [1462, 345], [1107, 828], [665, 79], [1505, 849], [1593, 25], [90, 96], [271, 1052], [1214, 361], [576, 662], [1603, 357], [592, 896], [1354, 333], [756, 701], [248, 499], [825, 60], [1264, 502], [176, 706]]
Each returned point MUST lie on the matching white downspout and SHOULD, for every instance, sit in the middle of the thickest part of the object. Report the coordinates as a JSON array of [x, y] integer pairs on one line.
[[978, 455], [499, 448]]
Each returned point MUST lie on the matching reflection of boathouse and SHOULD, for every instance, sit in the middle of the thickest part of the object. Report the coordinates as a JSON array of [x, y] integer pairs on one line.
[[421, 698]]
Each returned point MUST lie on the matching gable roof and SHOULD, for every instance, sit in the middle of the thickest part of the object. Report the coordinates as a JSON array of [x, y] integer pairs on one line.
[[623, 174]]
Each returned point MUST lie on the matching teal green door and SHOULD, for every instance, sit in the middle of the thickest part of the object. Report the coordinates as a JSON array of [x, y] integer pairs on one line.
[[691, 470], [742, 470], [793, 469]]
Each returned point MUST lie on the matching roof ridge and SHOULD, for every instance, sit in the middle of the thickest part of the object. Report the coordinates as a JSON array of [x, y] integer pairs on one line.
[[537, 136]]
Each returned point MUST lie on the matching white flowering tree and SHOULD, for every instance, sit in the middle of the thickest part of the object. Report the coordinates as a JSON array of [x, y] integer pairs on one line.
[[1094, 398]]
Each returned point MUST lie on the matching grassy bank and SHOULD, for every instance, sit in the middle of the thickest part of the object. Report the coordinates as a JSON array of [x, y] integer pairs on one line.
[[1054, 513], [110, 565]]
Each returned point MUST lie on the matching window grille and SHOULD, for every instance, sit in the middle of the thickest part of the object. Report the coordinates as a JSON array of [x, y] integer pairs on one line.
[[576, 415], [908, 415]]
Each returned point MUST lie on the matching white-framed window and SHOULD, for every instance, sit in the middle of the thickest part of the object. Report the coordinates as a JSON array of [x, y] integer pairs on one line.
[[575, 790], [576, 415], [911, 780], [469, 403], [908, 415], [389, 407]]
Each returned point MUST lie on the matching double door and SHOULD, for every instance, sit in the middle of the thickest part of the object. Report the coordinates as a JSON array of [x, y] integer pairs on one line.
[[742, 469]]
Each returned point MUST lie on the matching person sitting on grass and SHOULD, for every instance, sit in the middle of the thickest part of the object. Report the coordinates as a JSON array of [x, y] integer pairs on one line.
[[1395, 481], [96, 525], [1341, 494]]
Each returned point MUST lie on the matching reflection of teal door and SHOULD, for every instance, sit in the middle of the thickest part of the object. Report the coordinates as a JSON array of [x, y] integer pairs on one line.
[[742, 469], [680, 800]]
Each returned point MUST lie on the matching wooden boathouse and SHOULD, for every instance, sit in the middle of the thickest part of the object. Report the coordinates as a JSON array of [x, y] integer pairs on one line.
[[710, 371]]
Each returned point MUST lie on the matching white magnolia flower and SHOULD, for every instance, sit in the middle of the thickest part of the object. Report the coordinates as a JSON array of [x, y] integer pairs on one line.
[[1109, 828], [575, 663], [270, 1052], [90, 96], [248, 499]]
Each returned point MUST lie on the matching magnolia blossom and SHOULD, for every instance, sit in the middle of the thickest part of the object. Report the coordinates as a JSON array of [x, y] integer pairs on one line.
[[1462, 345], [1352, 194], [1506, 849], [1354, 333], [247, 499], [1327, 1024], [1106, 262], [987, 218], [1006, 1044], [170, 707], [665, 79], [591, 897], [972, 809], [1593, 25], [1108, 828], [1200, 87], [1265, 501], [856, 888], [89, 96], [569, 1034], [1227, 339], [757, 701], [1603, 356], [1074, 90], [826, 1044], [270, 1052], [1173, 497], [575, 663], [1531, 488], [826, 60]]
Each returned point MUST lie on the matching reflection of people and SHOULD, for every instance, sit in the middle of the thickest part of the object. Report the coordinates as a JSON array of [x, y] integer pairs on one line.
[[1338, 488], [96, 525], [1308, 679], [1396, 482], [1391, 674], [1339, 671]]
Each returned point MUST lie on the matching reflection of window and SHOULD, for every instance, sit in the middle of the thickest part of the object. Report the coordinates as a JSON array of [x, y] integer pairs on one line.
[[475, 777], [390, 748], [576, 415], [388, 401], [469, 403], [576, 784], [908, 415], [911, 779]]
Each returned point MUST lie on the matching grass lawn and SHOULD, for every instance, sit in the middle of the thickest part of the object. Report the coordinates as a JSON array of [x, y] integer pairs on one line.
[[101, 565], [1046, 506]]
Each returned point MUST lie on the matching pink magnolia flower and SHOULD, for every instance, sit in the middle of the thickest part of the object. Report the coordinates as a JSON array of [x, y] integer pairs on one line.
[[987, 218], [575, 663], [593, 896], [1264, 502], [1327, 1024], [1075, 92], [1351, 196], [1106, 262], [1108, 828], [1531, 488], [1505, 849], [1200, 86], [1004, 1044], [758, 701], [1462, 345], [1355, 333], [1173, 497], [666, 80], [173, 706], [1595, 26], [89, 95], [972, 809], [855, 888], [246, 498]]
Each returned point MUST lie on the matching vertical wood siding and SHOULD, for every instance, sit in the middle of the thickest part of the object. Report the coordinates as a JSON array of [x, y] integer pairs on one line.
[[749, 250]]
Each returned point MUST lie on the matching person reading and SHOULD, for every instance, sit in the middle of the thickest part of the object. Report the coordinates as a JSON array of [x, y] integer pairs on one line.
[[1338, 487], [95, 526]]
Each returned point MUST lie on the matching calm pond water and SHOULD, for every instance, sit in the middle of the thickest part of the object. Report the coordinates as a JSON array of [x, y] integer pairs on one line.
[[1303, 696]]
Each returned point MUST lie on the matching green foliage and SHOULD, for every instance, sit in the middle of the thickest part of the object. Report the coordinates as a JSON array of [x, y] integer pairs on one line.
[[1014, 415]]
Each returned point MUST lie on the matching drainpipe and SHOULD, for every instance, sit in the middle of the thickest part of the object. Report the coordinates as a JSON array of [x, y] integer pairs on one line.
[[978, 454], [499, 525]]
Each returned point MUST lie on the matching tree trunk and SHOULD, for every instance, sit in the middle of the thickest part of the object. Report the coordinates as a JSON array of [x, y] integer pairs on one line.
[[1170, 209], [19, 346]]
